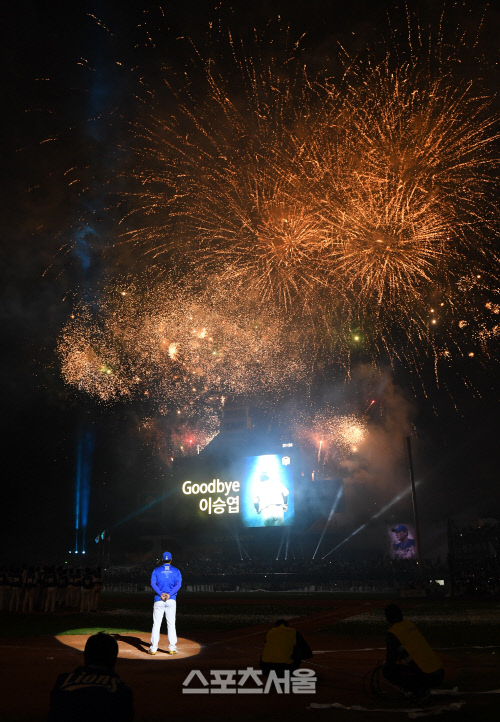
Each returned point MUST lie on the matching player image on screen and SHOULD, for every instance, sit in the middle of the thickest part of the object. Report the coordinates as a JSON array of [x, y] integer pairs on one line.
[[271, 500], [403, 544], [268, 492]]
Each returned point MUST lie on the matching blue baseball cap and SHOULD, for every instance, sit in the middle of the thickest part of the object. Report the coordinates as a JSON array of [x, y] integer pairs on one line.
[[167, 556], [400, 527]]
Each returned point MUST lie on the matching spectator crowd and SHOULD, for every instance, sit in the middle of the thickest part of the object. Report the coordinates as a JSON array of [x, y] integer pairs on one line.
[[473, 568], [215, 572]]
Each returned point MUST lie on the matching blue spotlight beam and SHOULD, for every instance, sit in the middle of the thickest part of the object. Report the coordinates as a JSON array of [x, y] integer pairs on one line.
[[88, 450], [143, 508], [85, 449], [77, 492], [375, 516], [88, 239]]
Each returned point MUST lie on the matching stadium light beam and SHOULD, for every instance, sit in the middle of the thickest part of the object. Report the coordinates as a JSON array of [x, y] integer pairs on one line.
[[239, 546], [281, 544], [245, 551], [143, 508], [332, 512], [85, 450]]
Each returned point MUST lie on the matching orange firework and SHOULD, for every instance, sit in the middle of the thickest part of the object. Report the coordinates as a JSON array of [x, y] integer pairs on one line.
[[307, 216], [353, 207], [177, 344]]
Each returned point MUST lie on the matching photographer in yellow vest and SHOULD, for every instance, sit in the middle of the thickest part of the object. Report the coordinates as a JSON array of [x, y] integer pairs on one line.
[[410, 661], [285, 648]]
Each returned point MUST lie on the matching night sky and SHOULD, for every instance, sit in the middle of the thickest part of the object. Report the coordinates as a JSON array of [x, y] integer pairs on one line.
[[47, 265]]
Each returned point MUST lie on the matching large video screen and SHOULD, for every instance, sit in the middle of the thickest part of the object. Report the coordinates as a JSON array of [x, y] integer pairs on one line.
[[257, 491], [268, 491]]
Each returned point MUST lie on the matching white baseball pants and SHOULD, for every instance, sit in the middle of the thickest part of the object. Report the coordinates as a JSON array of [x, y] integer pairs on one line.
[[168, 609]]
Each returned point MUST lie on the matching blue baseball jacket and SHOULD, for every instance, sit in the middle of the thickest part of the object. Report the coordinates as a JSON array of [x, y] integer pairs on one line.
[[166, 579]]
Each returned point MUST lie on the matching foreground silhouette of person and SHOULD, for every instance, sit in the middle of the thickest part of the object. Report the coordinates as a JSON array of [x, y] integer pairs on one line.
[[285, 648], [410, 661], [93, 692]]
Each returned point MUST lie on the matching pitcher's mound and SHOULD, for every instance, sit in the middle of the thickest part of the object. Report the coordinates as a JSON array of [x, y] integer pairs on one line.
[[136, 646]]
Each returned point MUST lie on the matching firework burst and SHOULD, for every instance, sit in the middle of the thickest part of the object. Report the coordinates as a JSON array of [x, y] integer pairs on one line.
[[334, 435], [352, 206], [176, 345], [223, 181], [413, 194], [309, 219]]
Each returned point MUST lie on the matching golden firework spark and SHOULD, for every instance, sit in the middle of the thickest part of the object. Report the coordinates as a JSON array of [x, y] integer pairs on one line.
[[350, 206], [333, 433], [179, 344], [305, 216]]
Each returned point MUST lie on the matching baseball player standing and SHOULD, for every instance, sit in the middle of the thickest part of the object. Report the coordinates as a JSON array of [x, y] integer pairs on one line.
[[166, 581]]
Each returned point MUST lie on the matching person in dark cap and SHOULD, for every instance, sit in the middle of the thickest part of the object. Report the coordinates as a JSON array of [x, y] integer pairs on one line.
[[405, 547], [166, 581], [410, 661], [93, 692]]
